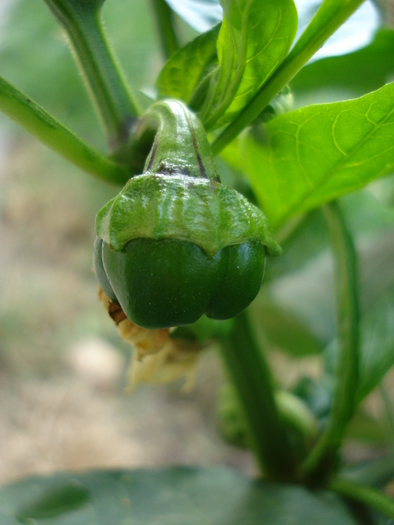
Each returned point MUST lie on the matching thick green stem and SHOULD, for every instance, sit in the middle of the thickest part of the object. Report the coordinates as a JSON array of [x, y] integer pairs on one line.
[[366, 495], [251, 377], [330, 16], [111, 95], [165, 24], [321, 461], [34, 119]]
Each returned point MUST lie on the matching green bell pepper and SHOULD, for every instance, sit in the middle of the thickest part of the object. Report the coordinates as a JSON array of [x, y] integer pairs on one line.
[[175, 243]]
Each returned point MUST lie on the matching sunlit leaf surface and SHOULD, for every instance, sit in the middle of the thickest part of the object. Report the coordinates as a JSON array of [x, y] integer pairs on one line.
[[315, 154], [251, 43]]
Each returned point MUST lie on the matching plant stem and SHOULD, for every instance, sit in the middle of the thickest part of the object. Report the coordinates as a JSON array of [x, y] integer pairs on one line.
[[108, 89], [165, 24], [320, 462], [251, 377], [371, 497], [34, 119], [330, 16]]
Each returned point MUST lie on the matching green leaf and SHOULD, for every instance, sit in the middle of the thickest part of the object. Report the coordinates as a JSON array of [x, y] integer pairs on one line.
[[329, 17], [354, 74], [318, 153], [174, 496], [253, 40], [195, 58]]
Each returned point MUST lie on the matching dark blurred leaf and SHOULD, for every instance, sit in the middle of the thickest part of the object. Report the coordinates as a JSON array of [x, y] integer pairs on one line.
[[306, 240], [377, 345], [201, 15], [174, 496], [364, 429], [318, 153], [365, 214], [181, 74], [302, 294], [374, 473], [350, 75], [253, 40], [55, 503], [377, 349], [283, 328]]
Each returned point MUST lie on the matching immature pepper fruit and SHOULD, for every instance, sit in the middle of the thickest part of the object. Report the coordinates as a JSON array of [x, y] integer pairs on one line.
[[175, 243]]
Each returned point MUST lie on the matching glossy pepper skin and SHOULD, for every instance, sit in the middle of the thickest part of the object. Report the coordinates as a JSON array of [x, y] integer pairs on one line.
[[175, 243]]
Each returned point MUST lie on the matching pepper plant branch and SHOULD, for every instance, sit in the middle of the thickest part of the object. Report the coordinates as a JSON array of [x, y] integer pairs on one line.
[[34, 119], [105, 81], [368, 496], [323, 455], [251, 377], [330, 16], [165, 24]]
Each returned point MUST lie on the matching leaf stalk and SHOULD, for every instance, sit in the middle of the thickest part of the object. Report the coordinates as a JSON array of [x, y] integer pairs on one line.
[[322, 459], [111, 95], [35, 120]]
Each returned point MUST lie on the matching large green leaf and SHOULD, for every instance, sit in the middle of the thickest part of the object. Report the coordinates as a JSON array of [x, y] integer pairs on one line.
[[174, 496], [254, 38], [315, 154], [181, 74]]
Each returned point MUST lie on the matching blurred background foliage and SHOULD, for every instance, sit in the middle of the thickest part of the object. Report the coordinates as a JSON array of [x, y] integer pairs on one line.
[[62, 364]]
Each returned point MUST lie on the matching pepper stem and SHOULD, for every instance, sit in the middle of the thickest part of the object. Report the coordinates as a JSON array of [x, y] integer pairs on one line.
[[180, 145], [251, 377], [107, 86]]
